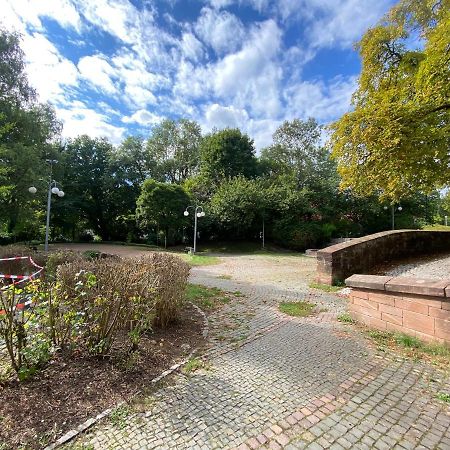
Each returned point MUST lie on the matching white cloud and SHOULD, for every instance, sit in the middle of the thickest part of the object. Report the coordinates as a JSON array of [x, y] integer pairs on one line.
[[192, 48], [80, 119], [252, 75], [99, 72], [48, 71], [143, 117], [22, 13], [225, 117], [221, 30], [323, 101]]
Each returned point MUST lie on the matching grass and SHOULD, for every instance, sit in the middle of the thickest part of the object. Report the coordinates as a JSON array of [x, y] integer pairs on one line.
[[297, 309], [324, 287], [410, 346], [200, 260], [443, 397], [346, 318], [436, 227], [119, 416], [206, 297], [194, 364]]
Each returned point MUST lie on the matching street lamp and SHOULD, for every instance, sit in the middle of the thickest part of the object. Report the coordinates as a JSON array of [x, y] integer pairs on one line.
[[399, 209], [52, 189], [198, 212]]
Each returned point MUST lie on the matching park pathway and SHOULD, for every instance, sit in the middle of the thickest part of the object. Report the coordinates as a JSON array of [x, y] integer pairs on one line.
[[277, 382]]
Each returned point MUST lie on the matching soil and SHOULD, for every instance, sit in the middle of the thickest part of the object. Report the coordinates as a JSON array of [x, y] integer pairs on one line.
[[73, 388]]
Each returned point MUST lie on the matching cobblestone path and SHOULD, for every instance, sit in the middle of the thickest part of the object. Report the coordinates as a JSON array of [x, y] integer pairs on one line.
[[278, 382]]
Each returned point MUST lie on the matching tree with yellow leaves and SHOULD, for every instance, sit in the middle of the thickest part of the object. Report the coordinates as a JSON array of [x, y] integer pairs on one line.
[[396, 140]]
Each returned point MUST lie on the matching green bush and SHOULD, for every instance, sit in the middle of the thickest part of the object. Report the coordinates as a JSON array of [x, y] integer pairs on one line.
[[300, 235]]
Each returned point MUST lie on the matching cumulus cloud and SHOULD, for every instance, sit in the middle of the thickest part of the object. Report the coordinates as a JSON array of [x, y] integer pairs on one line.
[[143, 117], [48, 71], [220, 30], [79, 119], [99, 72], [28, 13]]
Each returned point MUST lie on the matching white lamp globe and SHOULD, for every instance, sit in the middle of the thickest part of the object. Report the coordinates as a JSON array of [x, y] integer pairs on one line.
[[199, 214], [400, 208], [55, 190], [186, 213], [32, 190], [60, 194], [203, 213]]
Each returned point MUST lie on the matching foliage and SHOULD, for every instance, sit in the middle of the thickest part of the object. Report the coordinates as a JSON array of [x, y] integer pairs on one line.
[[173, 150], [299, 236], [346, 318], [227, 153], [161, 206], [206, 297], [324, 287], [297, 309], [396, 139], [238, 206], [200, 260]]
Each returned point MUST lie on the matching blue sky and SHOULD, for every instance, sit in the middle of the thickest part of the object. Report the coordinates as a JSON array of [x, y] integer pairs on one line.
[[118, 67]]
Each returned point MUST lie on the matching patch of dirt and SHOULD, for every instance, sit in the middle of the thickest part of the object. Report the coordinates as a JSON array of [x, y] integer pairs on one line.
[[72, 389]]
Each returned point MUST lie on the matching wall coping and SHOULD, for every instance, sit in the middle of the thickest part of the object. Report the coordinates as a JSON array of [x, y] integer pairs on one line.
[[406, 285], [370, 237]]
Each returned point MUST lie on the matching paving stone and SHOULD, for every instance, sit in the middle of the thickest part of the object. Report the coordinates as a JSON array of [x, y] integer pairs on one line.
[[286, 376]]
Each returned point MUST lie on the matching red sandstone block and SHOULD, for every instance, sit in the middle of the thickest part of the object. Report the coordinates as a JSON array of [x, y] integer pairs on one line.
[[391, 318], [426, 337], [375, 323], [423, 286], [442, 329], [365, 311], [360, 294], [367, 281], [406, 305], [435, 302], [439, 313], [446, 303], [391, 310], [365, 303], [382, 298], [394, 327], [419, 322]]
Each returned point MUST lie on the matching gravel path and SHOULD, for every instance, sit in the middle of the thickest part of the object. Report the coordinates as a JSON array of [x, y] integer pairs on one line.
[[275, 382], [435, 268]]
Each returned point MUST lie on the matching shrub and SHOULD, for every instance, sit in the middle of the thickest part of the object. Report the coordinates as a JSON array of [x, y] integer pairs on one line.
[[114, 294], [55, 259], [300, 235]]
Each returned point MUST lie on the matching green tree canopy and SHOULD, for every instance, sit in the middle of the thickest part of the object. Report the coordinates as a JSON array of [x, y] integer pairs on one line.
[[227, 153], [173, 150], [397, 138], [161, 206]]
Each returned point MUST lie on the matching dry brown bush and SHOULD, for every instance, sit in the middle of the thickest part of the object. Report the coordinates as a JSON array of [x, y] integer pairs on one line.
[[114, 294]]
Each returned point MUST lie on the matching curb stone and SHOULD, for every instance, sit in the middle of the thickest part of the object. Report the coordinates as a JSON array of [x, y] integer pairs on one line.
[[75, 432]]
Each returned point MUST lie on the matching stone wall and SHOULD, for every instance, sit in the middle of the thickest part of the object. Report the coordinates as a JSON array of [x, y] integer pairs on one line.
[[339, 261], [417, 307]]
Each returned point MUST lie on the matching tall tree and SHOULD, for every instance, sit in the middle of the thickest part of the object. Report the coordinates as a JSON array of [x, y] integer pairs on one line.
[[173, 150], [227, 153], [297, 151], [28, 136], [160, 206], [397, 138]]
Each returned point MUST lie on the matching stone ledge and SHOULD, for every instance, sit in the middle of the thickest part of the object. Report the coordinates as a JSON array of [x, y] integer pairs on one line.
[[401, 285]]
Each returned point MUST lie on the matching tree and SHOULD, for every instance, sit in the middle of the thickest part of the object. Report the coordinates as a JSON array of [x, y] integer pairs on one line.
[[28, 136], [227, 153], [173, 150], [396, 139], [238, 206], [160, 206], [89, 181]]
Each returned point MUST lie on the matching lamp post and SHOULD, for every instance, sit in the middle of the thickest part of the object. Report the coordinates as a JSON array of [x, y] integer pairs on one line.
[[399, 209], [52, 189], [198, 212]]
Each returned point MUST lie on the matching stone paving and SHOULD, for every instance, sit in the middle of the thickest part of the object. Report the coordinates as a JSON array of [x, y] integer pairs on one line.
[[277, 382]]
